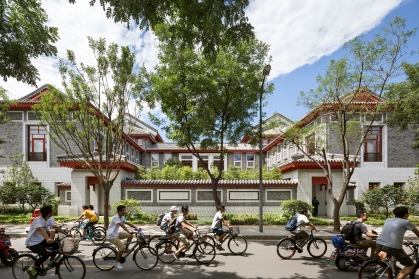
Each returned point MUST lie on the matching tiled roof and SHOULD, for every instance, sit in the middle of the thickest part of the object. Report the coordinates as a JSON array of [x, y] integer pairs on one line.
[[26, 99], [131, 130], [174, 146], [64, 184], [208, 182]]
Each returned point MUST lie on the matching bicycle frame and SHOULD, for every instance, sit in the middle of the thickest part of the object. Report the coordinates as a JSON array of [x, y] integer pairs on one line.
[[310, 237], [139, 242]]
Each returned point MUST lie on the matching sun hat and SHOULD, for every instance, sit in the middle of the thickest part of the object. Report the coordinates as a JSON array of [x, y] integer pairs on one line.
[[173, 208]]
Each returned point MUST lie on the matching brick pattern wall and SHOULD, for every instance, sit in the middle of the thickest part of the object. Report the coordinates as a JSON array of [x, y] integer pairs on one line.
[[11, 133], [400, 151]]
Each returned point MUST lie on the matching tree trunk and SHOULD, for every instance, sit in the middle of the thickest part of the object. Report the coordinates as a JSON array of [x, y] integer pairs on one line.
[[214, 194], [106, 190], [336, 217]]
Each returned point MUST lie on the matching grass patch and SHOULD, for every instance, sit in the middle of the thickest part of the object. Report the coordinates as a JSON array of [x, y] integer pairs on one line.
[[379, 219]]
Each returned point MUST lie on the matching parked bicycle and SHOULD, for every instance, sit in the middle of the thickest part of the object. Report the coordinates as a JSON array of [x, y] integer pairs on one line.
[[96, 234], [388, 269], [236, 244], [286, 248], [145, 257], [204, 252], [66, 265]]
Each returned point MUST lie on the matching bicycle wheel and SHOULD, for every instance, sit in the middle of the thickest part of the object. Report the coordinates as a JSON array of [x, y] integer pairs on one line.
[[154, 241], [145, 257], [165, 251], [237, 245], [75, 232], [98, 236], [375, 270], [104, 258], [285, 248], [204, 252], [189, 252], [21, 264], [208, 238], [71, 267], [317, 247]]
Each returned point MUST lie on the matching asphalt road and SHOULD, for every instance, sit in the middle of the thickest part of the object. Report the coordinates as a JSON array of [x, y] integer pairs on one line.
[[259, 261]]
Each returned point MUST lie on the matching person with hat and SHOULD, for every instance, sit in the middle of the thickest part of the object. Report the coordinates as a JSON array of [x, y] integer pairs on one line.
[[167, 218]]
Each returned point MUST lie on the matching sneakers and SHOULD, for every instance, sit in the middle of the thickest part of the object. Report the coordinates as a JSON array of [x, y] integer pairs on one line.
[[298, 247], [118, 265], [182, 254], [219, 247], [32, 273]]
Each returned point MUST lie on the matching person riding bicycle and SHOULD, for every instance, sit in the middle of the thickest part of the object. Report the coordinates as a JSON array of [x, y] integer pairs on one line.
[[167, 218], [302, 220], [360, 229], [38, 239], [217, 226], [91, 208], [183, 230], [114, 236], [391, 239], [93, 219]]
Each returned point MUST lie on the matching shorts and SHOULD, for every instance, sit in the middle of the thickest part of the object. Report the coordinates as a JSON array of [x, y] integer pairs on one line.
[[117, 241], [219, 231], [181, 237], [90, 225], [399, 254]]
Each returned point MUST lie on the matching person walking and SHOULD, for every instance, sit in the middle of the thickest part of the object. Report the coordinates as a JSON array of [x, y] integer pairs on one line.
[[315, 203]]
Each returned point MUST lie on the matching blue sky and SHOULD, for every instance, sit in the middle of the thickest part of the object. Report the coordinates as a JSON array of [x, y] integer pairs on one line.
[[304, 35]]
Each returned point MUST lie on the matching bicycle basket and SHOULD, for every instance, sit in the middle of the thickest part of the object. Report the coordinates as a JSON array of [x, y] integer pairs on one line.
[[70, 245], [236, 231]]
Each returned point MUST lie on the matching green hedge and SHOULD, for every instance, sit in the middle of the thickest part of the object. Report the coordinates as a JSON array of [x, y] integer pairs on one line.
[[378, 219]]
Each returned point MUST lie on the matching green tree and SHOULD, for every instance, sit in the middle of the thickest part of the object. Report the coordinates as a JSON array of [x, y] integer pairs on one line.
[[24, 35], [351, 87], [133, 207], [412, 190], [386, 197], [292, 207], [87, 123], [206, 23], [207, 102], [5, 102], [403, 100]]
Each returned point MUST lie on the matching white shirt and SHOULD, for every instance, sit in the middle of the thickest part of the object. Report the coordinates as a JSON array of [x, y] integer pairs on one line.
[[216, 222], [34, 236], [301, 219], [166, 218], [178, 224], [113, 230]]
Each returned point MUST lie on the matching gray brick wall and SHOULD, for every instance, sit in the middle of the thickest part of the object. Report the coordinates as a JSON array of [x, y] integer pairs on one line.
[[11, 133], [399, 150]]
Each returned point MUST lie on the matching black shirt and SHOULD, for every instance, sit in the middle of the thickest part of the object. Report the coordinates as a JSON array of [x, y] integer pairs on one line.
[[359, 230]]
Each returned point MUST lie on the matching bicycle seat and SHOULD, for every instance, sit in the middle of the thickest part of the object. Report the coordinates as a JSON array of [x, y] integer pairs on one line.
[[164, 238]]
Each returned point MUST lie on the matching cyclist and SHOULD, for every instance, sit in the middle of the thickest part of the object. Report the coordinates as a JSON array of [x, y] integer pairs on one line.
[[93, 219], [217, 226], [38, 239], [114, 236], [391, 239], [167, 218], [91, 208], [184, 230], [302, 220], [360, 229]]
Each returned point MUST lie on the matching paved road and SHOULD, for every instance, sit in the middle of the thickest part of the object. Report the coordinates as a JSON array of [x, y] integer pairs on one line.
[[259, 261]]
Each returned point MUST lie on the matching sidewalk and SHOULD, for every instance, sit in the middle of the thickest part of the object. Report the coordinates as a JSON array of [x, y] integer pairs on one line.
[[249, 232]]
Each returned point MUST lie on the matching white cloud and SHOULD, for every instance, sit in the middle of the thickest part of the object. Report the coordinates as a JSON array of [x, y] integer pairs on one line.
[[300, 32]]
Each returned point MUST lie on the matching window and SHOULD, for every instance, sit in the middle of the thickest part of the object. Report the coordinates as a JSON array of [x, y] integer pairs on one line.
[[155, 159], [37, 144], [186, 160], [250, 158], [311, 144], [238, 160], [373, 152], [373, 185], [167, 156], [67, 196], [203, 164], [265, 142], [399, 184]]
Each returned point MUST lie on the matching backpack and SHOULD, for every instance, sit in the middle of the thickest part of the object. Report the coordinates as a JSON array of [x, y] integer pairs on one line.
[[292, 223], [172, 226], [348, 232], [160, 218]]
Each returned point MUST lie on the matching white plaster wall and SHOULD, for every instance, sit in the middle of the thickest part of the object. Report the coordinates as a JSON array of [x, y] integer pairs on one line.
[[362, 176]]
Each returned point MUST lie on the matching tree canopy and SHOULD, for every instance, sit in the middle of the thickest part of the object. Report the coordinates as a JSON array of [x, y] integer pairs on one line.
[[87, 121], [208, 102], [403, 100], [207, 23], [24, 35]]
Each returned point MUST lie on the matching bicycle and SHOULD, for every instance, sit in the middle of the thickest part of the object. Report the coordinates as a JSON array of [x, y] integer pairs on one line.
[[203, 252], [96, 234], [237, 244], [145, 257], [376, 268], [66, 265], [286, 248]]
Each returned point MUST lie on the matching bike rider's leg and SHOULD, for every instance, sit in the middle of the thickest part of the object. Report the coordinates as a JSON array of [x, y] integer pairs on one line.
[[224, 233], [43, 253], [182, 238], [303, 236]]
